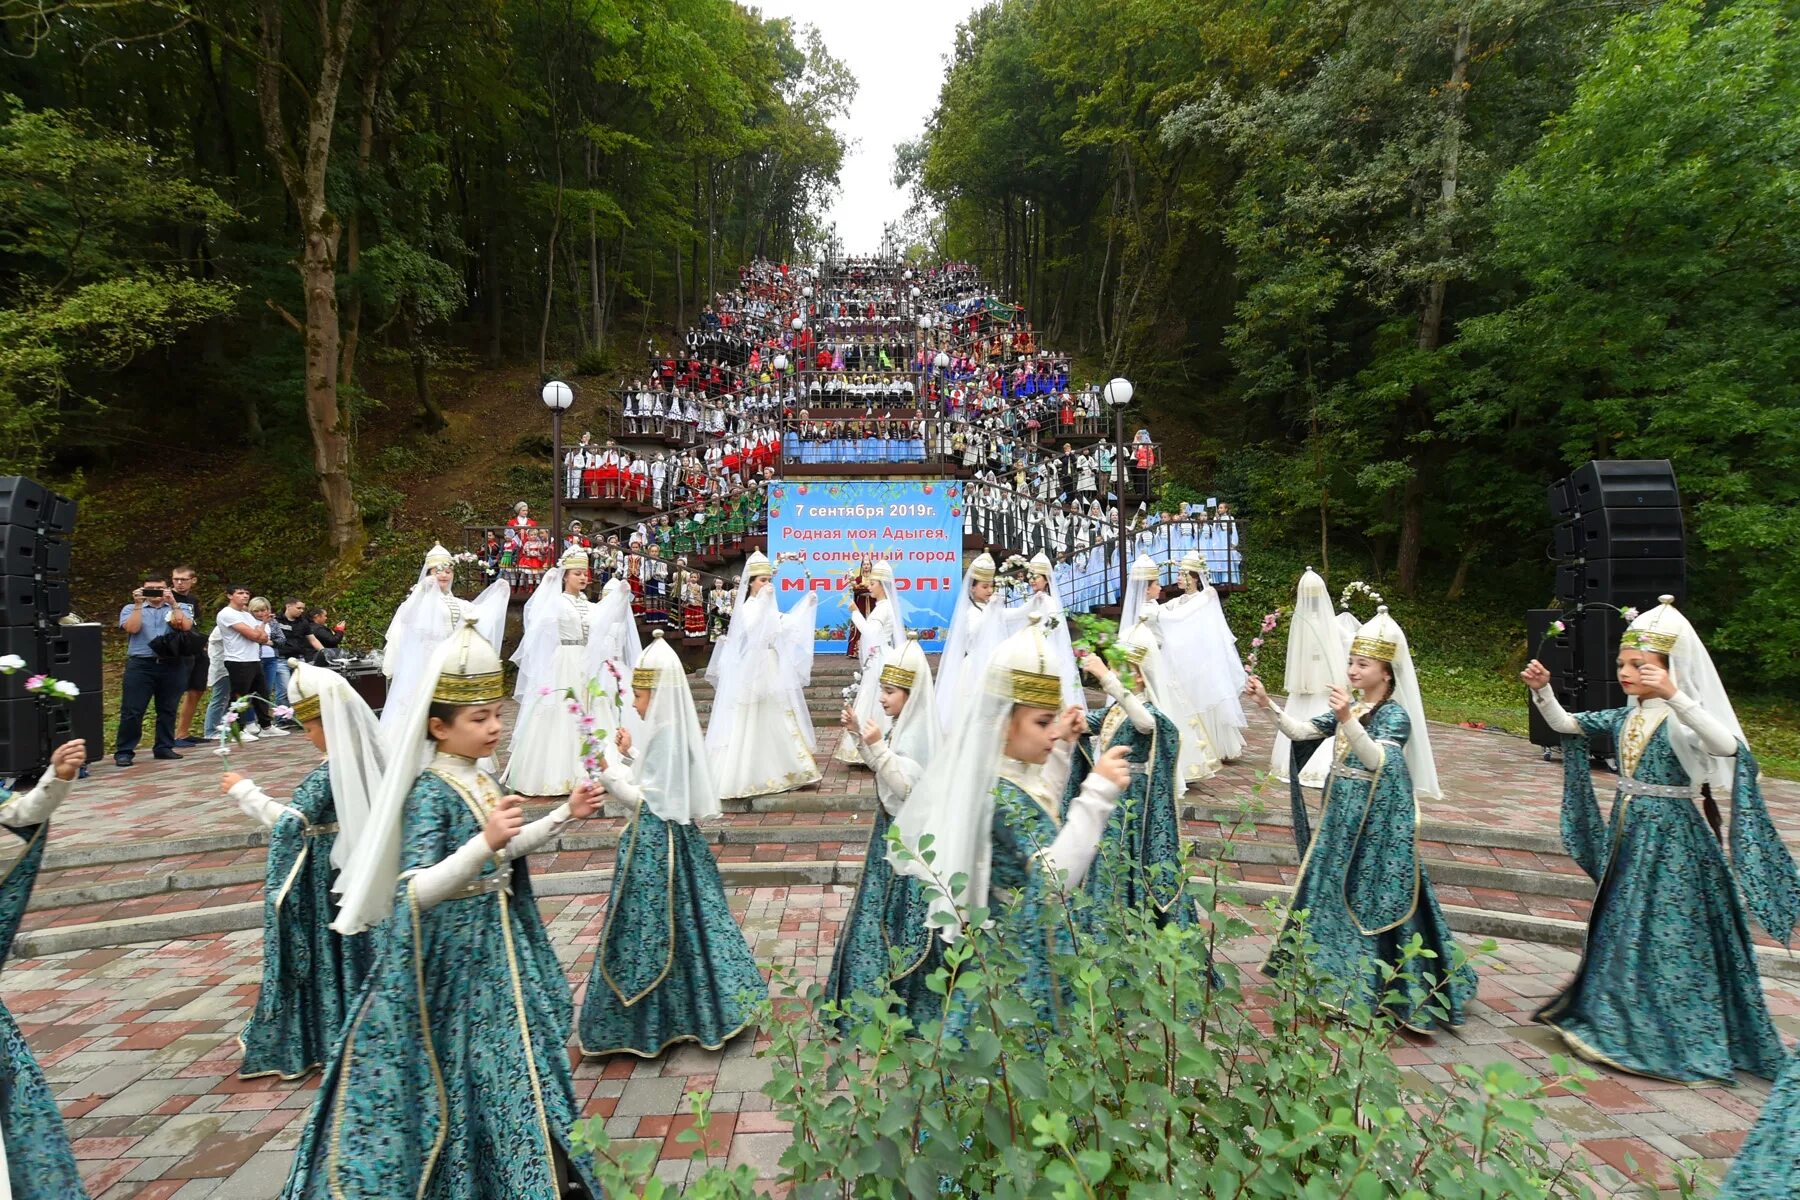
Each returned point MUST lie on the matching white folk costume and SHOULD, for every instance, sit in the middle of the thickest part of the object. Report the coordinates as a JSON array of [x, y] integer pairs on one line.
[[1053, 619], [1195, 757], [883, 633], [552, 686], [1316, 655], [976, 631], [760, 735], [613, 646], [428, 616], [1200, 645], [311, 974]]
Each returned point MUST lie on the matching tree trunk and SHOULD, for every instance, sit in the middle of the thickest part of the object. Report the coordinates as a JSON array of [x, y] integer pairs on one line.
[[1461, 580], [303, 173], [431, 414]]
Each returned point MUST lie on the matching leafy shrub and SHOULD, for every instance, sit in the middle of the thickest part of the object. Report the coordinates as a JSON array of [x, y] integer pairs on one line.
[[593, 361], [1163, 1079]]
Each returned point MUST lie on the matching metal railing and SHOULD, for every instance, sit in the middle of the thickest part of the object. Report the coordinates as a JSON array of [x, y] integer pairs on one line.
[[853, 441]]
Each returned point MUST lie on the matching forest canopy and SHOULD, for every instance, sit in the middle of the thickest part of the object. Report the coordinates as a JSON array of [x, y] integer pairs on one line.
[[1386, 269]]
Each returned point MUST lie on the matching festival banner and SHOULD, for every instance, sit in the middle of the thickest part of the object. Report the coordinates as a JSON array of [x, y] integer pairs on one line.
[[834, 529]]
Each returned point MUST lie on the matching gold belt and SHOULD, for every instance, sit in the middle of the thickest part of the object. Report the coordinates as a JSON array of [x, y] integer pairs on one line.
[[484, 885], [321, 830]]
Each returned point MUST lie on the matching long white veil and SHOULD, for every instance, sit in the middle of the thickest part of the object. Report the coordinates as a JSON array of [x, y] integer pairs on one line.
[[1420, 761], [974, 633], [1691, 669], [354, 759], [672, 767], [741, 670], [536, 652]]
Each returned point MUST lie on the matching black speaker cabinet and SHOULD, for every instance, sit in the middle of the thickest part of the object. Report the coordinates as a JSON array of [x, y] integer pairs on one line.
[[83, 719], [23, 501], [1568, 538], [1555, 651], [52, 599], [1625, 483], [1632, 533], [1539, 729], [21, 640], [1561, 498], [1633, 582], [72, 652], [1598, 632], [18, 601], [22, 746]]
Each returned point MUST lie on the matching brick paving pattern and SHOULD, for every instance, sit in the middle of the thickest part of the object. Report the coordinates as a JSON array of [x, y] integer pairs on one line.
[[140, 1040]]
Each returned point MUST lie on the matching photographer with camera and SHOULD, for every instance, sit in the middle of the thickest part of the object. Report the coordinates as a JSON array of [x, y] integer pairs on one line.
[[152, 672]]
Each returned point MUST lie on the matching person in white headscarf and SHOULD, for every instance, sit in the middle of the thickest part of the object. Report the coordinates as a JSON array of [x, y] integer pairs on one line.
[[1363, 886], [552, 687], [613, 646], [428, 616], [1668, 984], [1143, 592], [760, 735], [453, 1072], [890, 910], [1316, 653], [1200, 644], [1196, 760], [883, 632], [310, 974], [976, 631], [993, 819], [672, 966], [1044, 601]]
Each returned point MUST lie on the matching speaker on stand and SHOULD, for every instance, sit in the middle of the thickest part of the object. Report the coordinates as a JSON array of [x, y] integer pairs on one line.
[[1618, 542], [35, 524]]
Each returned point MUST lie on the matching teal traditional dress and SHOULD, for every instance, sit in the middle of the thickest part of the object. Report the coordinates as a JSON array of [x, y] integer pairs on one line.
[[1025, 903], [452, 1080], [889, 913], [39, 1163], [311, 974], [1140, 853], [1767, 1166], [1668, 985], [1363, 885], [673, 966]]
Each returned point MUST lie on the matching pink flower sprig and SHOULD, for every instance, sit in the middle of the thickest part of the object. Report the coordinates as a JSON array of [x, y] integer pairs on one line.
[[1269, 622]]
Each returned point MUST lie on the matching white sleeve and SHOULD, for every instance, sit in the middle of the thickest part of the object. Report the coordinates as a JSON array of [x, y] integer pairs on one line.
[[1295, 729], [1077, 843], [35, 806], [881, 759], [1141, 720], [1552, 710], [442, 879], [529, 839], [616, 779], [256, 803], [1712, 733], [1361, 744]]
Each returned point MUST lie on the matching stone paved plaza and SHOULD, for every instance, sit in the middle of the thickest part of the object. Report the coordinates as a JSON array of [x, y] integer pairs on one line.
[[139, 1036]]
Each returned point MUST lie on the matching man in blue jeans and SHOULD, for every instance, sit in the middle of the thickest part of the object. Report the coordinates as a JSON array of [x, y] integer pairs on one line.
[[148, 677]]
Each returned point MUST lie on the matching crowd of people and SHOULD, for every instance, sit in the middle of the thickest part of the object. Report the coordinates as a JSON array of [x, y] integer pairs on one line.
[[179, 652]]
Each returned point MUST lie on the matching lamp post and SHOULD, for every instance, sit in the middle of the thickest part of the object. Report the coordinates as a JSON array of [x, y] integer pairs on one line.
[[1117, 393], [557, 398]]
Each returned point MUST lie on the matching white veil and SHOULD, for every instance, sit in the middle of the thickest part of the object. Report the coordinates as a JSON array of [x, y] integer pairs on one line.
[[368, 881], [672, 769], [915, 735], [1691, 669], [1316, 650], [1194, 631], [353, 755], [1051, 607], [953, 801], [740, 673], [1143, 571], [1196, 758], [974, 633], [420, 624], [536, 653], [883, 571], [612, 632], [1419, 759]]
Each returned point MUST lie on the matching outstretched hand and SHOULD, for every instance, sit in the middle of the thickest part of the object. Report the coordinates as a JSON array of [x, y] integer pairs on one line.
[[1253, 688], [66, 759], [1535, 675], [586, 799]]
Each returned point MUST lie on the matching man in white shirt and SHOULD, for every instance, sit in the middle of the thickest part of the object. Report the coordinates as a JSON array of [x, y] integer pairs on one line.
[[242, 638]]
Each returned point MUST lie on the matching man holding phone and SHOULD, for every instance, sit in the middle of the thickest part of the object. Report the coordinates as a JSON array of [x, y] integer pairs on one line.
[[148, 675]]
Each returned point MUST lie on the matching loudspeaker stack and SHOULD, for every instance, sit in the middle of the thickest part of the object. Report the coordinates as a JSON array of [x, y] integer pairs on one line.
[[35, 525], [1618, 543]]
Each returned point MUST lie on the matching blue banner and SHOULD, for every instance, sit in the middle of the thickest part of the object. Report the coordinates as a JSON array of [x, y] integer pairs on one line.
[[835, 529]]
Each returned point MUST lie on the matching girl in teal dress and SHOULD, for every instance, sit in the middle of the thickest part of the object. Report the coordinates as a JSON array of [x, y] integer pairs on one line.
[[1668, 985], [993, 820], [311, 975], [888, 913], [34, 1147], [451, 1080], [1140, 854], [1363, 886], [673, 966]]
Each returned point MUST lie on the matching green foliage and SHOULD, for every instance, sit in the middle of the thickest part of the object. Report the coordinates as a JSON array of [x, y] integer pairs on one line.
[[1167, 1075]]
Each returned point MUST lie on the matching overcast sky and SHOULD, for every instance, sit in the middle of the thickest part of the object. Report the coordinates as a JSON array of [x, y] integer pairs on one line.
[[896, 51]]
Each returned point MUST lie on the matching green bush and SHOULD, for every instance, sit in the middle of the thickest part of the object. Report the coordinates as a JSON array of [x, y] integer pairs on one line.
[[593, 361], [1163, 1079]]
